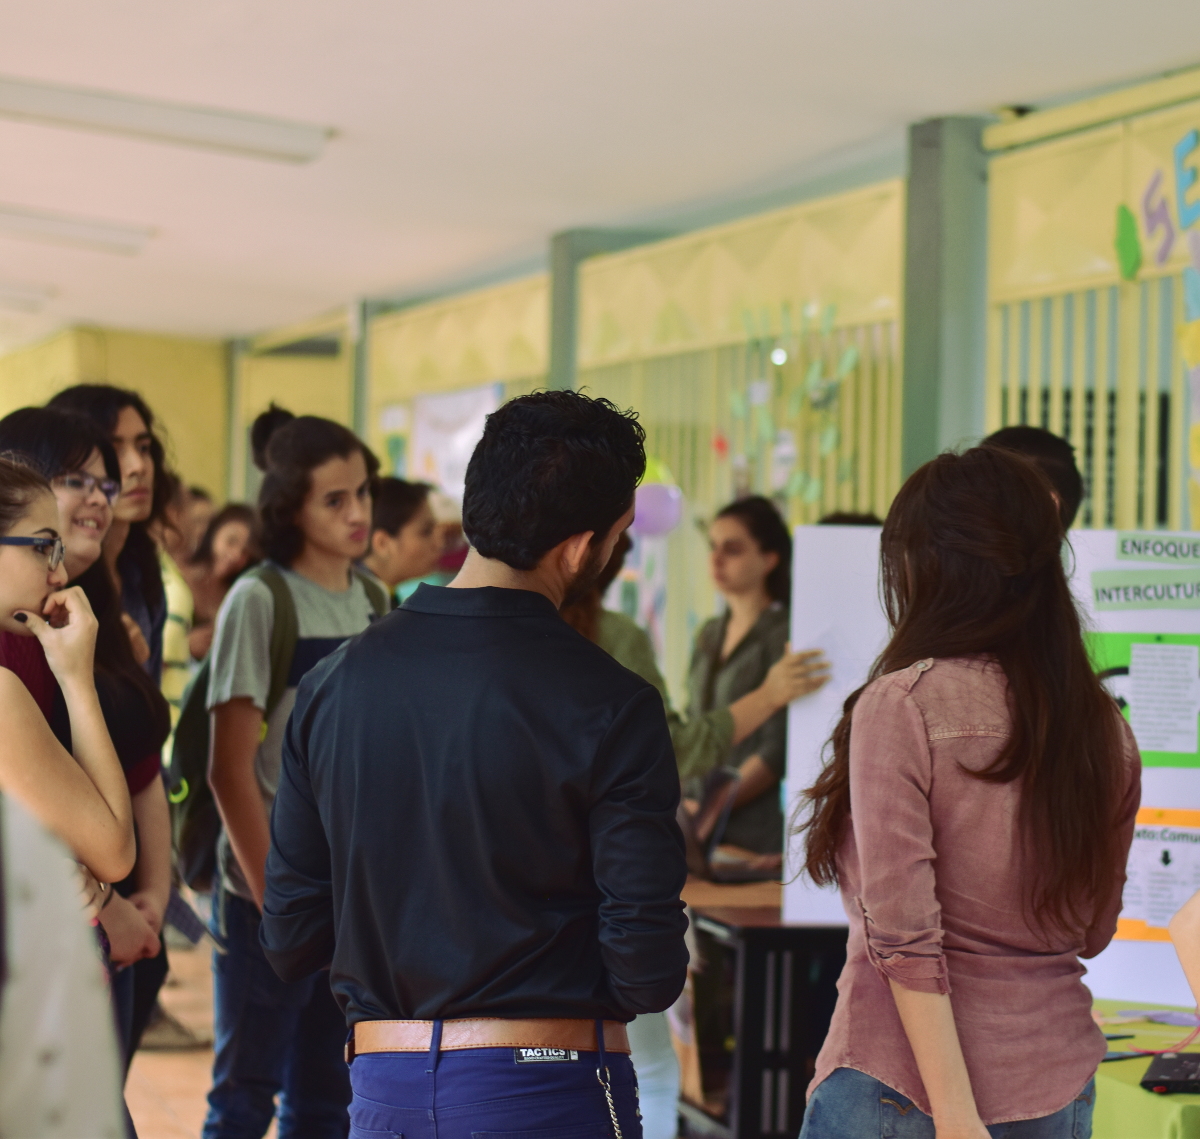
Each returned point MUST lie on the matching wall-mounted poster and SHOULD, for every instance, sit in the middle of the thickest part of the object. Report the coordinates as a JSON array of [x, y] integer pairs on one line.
[[445, 429], [1140, 597]]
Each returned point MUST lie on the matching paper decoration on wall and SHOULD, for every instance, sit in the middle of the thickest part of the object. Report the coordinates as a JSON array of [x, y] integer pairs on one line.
[[737, 405], [828, 319], [766, 423], [446, 428], [397, 454], [848, 362], [812, 378], [1156, 215], [1191, 293], [812, 491], [720, 444], [830, 437], [1185, 179], [1127, 243], [795, 401], [783, 458], [796, 484]]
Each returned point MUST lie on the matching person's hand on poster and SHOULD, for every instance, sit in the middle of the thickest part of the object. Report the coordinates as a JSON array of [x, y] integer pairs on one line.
[[796, 674]]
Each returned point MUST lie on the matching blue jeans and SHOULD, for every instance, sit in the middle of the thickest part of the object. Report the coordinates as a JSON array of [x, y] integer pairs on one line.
[[484, 1093], [849, 1104], [272, 1038]]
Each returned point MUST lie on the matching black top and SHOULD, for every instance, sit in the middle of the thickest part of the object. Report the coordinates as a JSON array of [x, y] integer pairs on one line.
[[476, 817]]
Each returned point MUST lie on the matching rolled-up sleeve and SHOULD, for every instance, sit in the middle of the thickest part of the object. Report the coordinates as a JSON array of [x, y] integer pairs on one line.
[[638, 859], [890, 769], [297, 931]]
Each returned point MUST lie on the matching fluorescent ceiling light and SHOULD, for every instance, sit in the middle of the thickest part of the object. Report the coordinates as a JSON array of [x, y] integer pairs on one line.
[[248, 135], [63, 229], [22, 297]]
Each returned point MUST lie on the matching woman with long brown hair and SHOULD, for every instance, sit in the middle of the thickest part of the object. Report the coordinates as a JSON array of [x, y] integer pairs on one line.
[[976, 814]]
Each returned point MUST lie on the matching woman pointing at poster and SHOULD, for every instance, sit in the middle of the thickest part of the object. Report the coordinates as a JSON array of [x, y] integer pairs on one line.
[[976, 813]]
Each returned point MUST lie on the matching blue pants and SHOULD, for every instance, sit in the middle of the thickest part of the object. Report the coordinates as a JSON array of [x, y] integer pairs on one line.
[[484, 1093], [849, 1104], [272, 1038]]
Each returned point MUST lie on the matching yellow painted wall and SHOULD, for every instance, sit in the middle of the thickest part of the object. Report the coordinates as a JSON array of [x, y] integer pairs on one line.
[[304, 385], [184, 381], [495, 335]]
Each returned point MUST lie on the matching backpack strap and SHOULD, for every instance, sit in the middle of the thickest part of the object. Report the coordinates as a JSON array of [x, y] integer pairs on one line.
[[380, 601], [285, 632]]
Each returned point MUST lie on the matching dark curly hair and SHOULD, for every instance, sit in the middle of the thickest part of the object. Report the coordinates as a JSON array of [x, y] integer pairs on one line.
[[286, 449], [550, 465], [767, 527]]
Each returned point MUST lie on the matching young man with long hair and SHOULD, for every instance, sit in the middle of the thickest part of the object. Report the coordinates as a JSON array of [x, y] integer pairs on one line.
[[274, 1038], [475, 827]]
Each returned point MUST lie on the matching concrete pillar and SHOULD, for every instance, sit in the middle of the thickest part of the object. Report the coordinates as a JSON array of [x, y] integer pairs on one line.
[[945, 289], [567, 249]]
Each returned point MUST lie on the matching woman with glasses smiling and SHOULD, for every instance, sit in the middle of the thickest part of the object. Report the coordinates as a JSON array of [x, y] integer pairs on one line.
[[74, 454]]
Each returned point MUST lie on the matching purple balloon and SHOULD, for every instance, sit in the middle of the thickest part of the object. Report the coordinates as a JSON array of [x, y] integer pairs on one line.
[[657, 510]]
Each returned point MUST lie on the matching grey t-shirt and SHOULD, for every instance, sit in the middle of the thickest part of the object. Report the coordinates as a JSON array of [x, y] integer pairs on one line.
[[241, 666]]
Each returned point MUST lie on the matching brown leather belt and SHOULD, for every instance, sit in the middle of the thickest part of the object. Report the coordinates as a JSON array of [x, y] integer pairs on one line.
[[484, 1032]]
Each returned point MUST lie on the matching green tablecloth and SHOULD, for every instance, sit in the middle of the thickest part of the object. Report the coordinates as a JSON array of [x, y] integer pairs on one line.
[[1123, 1109]]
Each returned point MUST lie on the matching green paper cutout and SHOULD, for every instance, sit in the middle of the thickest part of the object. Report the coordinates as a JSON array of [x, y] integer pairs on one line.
[[795, 401], [827, 320], [848, 362], [785, 320], [830, 438], [812, 492], [766, 424], [796, 484], [737, 405], [812, 378], [1128, 245]]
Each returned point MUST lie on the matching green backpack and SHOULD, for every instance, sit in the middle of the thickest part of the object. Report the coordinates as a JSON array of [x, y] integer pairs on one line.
[[195, 821]]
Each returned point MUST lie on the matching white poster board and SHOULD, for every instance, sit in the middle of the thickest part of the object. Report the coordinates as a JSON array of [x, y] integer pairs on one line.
[[1140, 595], [835, 608], [445, 429]]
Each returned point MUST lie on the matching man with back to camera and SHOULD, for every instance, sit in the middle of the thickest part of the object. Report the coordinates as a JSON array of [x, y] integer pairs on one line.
[[475, 824], [1053, 456]]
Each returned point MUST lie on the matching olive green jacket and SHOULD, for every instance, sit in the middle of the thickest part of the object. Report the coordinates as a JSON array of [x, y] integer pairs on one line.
[[701, 742], [715, 683]]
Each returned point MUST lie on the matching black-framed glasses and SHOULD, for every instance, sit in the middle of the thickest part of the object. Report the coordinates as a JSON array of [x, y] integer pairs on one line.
[[51, 547], [83, 484]]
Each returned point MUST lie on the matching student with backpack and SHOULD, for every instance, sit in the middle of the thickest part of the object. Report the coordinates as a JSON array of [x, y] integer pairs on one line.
[[278, 621]]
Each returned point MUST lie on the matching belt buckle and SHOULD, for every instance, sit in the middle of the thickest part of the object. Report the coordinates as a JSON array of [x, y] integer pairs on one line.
[[348, 1047]]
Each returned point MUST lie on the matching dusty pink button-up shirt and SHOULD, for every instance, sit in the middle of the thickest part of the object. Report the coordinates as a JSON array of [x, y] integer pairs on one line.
[[931, 878]]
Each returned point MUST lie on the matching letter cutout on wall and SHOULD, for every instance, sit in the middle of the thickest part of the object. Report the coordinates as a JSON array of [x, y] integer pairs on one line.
[[1156, 215], [1185, 179]]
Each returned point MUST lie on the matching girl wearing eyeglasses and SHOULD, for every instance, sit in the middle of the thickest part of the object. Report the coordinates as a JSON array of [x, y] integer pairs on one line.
[[83, 799], [75, 455]]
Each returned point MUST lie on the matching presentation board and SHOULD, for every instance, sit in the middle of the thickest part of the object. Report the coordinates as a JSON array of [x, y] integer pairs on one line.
[[1140, 596]]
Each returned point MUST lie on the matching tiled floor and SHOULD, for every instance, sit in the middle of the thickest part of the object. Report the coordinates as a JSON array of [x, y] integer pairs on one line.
[[166, 1090]]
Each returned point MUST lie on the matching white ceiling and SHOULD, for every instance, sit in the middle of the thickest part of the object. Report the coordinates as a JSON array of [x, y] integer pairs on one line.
[[469, 130]]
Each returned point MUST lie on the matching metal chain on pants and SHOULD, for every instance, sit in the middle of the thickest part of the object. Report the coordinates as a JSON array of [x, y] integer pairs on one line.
[[605, 1082]]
